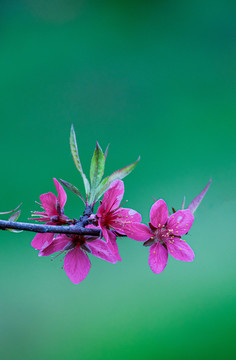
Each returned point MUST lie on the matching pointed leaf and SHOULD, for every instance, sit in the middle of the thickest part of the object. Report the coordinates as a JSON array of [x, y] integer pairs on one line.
[[197, 200], [117, 175], [73, 189], [106, 152], [11, 211], [75, 155], [15, 217], [15, 231], [74, 149], [97, 167]]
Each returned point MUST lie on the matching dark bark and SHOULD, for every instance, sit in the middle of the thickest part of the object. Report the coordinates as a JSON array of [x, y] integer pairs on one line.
[[77, 229]]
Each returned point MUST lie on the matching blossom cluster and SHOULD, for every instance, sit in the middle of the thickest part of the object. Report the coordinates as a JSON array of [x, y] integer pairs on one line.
[[163, 234]]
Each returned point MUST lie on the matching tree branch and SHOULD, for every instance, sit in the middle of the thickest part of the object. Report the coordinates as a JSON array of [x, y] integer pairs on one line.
[[39, 228]]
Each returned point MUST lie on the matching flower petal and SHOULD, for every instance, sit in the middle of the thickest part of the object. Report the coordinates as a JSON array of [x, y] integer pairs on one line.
[[123, 219], [179, 249], [159, 213], [56, 245], [110, 238], [180, 222], [158, 256], [48, 201], [112, 198], [138, 232], [100, 249], [128, 214], [77, 265], [40, 240], [62, 197]]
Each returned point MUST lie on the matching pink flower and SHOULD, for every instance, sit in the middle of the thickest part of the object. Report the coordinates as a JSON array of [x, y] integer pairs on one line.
[[166, 236], [53, 214], [113, 219], [77, 263]]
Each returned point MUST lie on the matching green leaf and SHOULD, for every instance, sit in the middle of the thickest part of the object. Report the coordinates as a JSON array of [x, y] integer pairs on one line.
[[106, 152], [15, 231], [11, 211], [119, 174], [96, 171], [72, 188], [75, 155], [97, 167], [15, 217]]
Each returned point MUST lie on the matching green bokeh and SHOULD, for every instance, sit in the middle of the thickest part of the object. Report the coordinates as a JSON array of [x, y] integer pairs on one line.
[[152, 78]]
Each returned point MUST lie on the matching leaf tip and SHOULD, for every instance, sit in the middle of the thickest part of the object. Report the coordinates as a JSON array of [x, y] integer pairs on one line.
[[98, 147], [106, 151]]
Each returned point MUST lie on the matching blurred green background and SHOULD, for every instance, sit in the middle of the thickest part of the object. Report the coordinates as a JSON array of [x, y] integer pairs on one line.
[[152, 78]]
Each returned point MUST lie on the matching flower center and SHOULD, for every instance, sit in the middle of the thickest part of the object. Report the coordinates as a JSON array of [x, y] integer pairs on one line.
[[163, 233]]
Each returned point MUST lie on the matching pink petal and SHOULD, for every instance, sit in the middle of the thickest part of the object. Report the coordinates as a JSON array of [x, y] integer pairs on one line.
[[112, 198], [62, 197], [100, 249], [180, 222], [179, 249], [49, 203], [128, 214], [40, 240], [158, 256], [77, 265], [57, 244], [101, 210], [198, 199], [124, 218], [138, 232], [159, 213], [110, 238]]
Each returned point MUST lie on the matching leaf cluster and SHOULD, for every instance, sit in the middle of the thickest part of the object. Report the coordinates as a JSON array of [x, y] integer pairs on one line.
[[97, 185]]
